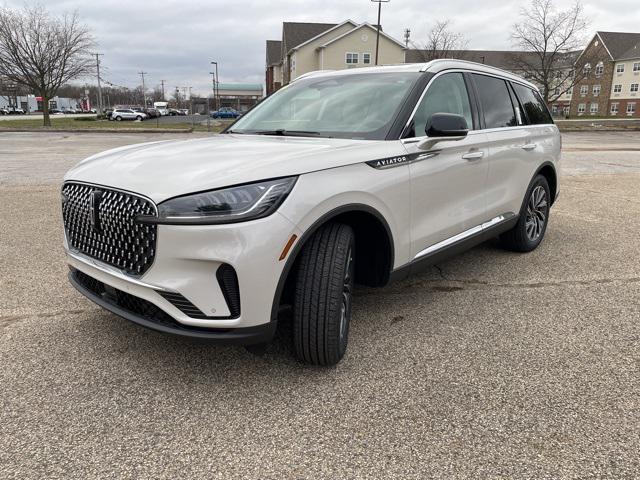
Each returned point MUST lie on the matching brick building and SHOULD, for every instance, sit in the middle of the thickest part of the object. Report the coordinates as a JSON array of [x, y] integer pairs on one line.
[[611, 80]]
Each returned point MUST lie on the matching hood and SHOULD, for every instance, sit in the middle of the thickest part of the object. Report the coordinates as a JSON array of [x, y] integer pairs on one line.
[[165, 169]]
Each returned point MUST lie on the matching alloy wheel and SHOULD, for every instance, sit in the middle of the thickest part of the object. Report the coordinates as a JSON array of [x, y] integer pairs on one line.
[[347, 293], [536, 217]]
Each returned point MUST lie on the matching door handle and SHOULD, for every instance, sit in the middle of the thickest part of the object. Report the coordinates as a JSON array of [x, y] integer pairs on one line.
[[528, 146], [473, 155]]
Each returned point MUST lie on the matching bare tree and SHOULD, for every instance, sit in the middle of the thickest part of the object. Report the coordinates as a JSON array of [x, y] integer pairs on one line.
[[42, 52], [442, 42], [550, 41]]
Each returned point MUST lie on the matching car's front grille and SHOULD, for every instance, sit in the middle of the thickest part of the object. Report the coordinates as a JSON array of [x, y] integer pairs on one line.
[[100, 222]]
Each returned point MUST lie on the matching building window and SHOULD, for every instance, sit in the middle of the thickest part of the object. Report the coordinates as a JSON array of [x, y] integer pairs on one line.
[[582, 108], [636, 67], [599, 69], [584, 89], [593, 108], [614, 108], [351, 58], [634, 87], [366, 58], [554, 109], [587, 69], [596, 90], [631, 108], [617, 88], [620, 68], [556, 91]]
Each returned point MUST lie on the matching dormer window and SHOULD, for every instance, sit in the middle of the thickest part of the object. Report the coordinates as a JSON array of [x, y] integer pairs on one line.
[[587, 69]]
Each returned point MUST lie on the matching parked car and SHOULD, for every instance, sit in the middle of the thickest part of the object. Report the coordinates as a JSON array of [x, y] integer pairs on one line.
[[380, 172], [4, 111], [55, 111], [152, 112], [225, 112], [127, 114], [183, 111], [173, 112], [15, 111]]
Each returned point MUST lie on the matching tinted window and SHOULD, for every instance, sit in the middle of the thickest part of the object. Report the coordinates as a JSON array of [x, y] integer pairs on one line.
[[533, 105], [446, 94], [495, 100]]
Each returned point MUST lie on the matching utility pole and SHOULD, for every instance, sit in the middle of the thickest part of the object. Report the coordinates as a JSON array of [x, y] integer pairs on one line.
[[144, 92], [100, 107], [190, 101], [407, 35], [379, 2], [162, 83]]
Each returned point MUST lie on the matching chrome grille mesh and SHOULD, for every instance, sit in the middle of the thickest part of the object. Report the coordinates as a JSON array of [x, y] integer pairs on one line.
[[104, 228]]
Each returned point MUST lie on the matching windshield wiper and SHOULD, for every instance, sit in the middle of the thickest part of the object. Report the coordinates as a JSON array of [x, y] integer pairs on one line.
[[287, 133]]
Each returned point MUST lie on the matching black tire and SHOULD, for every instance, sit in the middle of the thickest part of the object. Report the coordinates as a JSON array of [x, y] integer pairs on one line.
[[118, 119], [532, 223], [323, 293], [139, 118]]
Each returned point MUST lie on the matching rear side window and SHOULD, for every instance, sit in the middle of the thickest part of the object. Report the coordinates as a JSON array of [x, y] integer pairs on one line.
[[535, 109], [496, 102]]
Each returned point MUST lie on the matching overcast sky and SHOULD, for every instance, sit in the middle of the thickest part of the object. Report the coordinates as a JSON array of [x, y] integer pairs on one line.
[[175, 40]]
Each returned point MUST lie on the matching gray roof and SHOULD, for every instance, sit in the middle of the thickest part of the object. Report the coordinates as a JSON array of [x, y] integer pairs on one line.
[[295, 33], [274, 52], [504, 59], [622, 45]]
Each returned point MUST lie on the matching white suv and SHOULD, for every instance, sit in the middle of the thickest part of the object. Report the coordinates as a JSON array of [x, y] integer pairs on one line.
[[357, 176], [127, 114]]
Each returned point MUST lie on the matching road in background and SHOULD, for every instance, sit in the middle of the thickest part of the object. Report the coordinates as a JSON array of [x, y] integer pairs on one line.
[[490, 365]]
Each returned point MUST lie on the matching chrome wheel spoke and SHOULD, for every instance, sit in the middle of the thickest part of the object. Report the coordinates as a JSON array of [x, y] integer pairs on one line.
[[536, 217]]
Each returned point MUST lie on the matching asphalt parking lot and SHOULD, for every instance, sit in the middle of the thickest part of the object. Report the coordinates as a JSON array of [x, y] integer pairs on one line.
[[491, 365]]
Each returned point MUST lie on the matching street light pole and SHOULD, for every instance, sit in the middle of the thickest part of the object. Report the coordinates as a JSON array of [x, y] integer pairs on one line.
[[379, 2], [216, 92]]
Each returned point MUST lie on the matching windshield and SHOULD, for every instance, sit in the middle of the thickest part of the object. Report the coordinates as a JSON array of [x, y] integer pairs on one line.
[[358, 106]]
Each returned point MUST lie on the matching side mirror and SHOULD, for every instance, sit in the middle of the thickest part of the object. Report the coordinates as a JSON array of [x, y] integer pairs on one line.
[[444, 127]]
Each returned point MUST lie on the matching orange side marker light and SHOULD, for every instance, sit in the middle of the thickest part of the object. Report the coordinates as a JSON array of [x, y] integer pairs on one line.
[[287, 247]]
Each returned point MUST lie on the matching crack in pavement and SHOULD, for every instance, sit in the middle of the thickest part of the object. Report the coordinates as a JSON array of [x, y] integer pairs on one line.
[[6, 320], [475, 284]]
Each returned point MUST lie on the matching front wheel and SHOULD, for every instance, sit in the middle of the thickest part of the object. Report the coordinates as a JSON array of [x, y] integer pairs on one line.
[[534, 217], [118, 119], [323, 295], [139, 118]]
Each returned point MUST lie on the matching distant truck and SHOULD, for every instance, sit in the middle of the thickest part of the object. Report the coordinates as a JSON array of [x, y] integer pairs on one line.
[[162, 107]]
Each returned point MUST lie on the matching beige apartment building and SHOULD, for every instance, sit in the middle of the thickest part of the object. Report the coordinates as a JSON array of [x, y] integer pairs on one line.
[[306, 47]]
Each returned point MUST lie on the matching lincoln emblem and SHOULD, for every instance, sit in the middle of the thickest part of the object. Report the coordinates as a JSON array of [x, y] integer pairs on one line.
[[94, 210]]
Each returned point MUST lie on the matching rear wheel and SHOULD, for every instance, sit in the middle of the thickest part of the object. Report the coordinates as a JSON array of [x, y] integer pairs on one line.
[[118, 118], [534, 217], [323, 295], [139, 118]]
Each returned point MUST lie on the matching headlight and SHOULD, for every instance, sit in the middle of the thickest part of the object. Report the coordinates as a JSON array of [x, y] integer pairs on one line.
[[229, 205]]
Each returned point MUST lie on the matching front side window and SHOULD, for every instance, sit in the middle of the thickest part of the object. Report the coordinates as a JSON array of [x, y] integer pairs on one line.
[[351, 58], [534, 107], [496, 102], [359, 106], [445, 94]]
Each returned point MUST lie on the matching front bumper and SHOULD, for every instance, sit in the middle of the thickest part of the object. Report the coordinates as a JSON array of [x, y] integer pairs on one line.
[[148, 315], [185, 266]]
